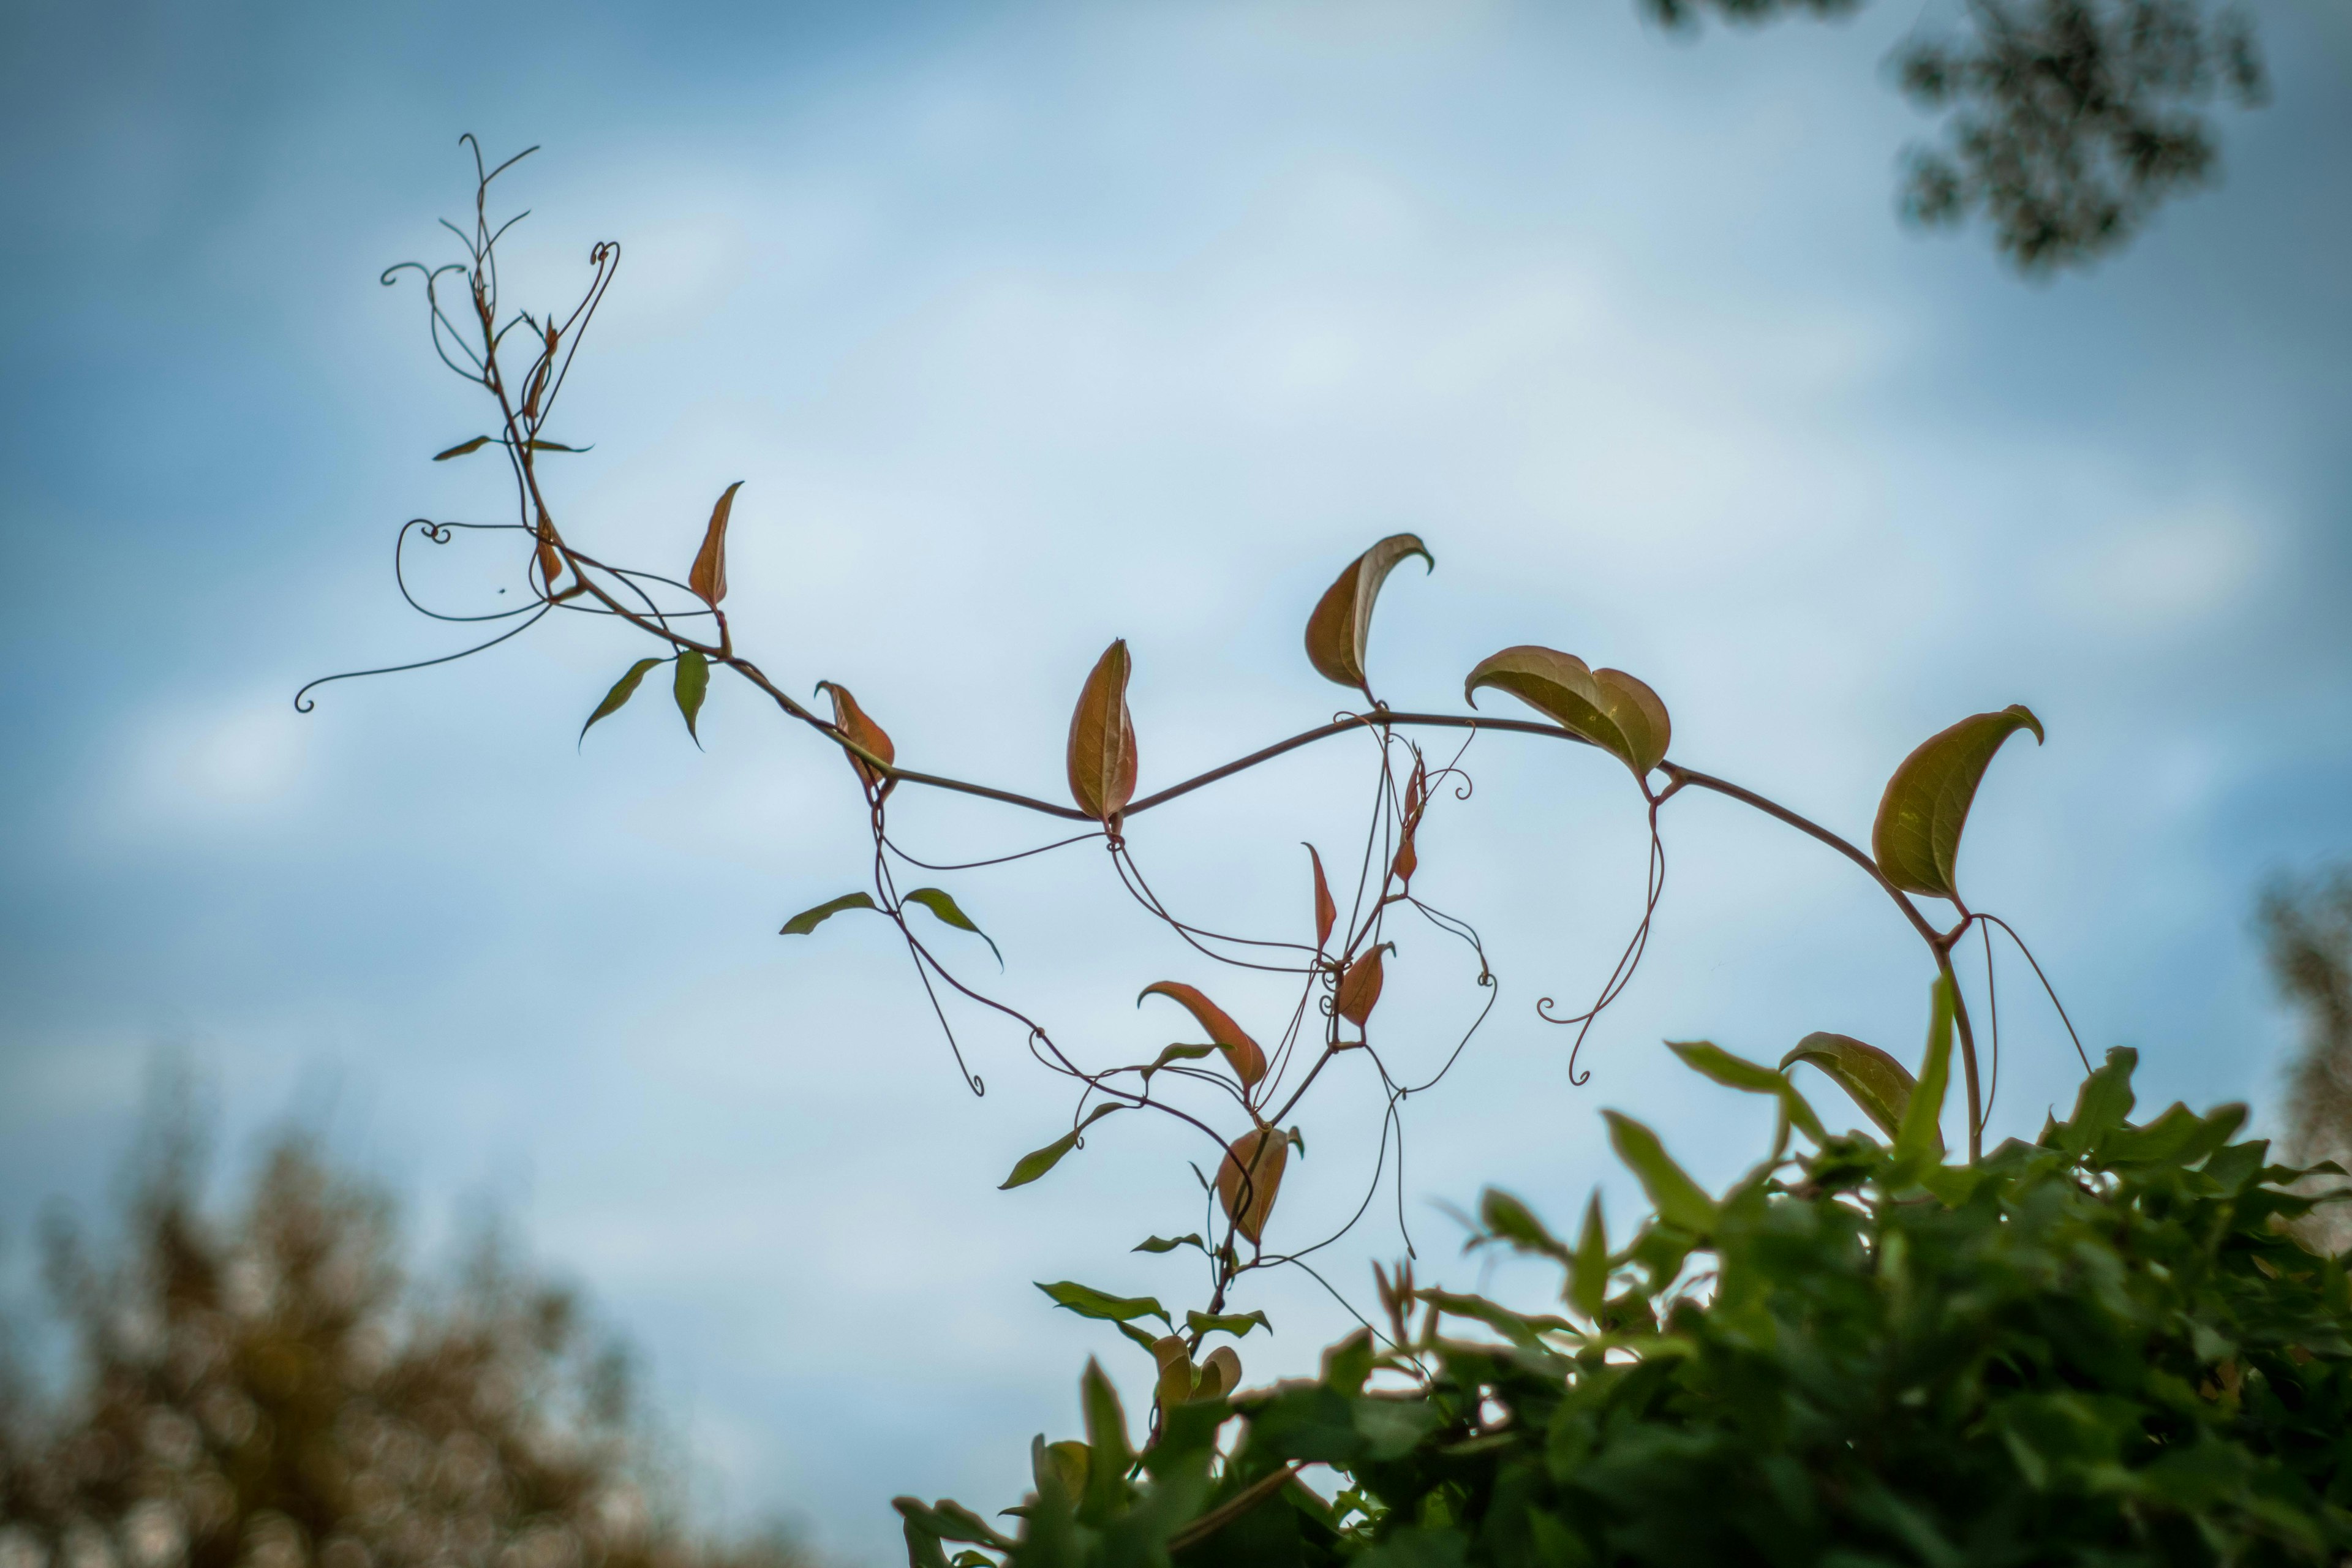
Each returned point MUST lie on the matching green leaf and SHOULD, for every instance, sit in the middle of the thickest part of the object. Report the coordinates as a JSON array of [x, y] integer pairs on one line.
[[622, 689], [1036, 1162], [1679, 1200], [1920, 1137], [1235, 1324], [1177, 1054], [461, 448], [1916, 839], [2105, 1100], [1170, 1242], [538, 446], [1089, 1303], [1510, 1221], [940, 904], [1607, 706], [808, 921], [1516, 1327], [950, 1522], [1109, 1454], [1875, 1081], [1588, 1273], [692, 682], [1712, 1060]]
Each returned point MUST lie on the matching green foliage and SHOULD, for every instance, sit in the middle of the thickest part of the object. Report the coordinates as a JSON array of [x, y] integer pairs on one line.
[[2101, 1347]]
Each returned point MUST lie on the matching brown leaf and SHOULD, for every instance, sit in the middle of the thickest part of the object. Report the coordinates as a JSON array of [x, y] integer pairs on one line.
[[1102, 740], [1220, 1373], [1255, 1161], [1325, 912], [551, 557], [852, 721], [709, 578], [1407, 862], [1343, 616], [1359, 988], [1249, 1062]]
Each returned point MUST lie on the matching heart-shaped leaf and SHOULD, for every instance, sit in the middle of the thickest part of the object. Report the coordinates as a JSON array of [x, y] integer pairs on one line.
[[1360, 987], [461, 448], [1343, 616], [1678, 1199], [1249, 1177], [808, 921], [708, 577], [690, 684], [1037, 1161], [1916, 839], [622, 689], [1102, 740], [1248, 1061], [1872, 1080], [853, 721], [1711, 1060], [1607, 706], [937, 901]]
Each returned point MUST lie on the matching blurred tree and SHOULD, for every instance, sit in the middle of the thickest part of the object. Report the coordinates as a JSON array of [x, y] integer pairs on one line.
[[2070, 121], [273, 1392], [2308, 927]]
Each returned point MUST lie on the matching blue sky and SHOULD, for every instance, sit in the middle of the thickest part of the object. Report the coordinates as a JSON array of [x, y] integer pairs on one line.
[[1027, 328]]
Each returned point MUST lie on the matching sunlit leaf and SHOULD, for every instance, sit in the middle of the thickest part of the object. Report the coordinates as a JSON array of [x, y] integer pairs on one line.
[[1089, 1303], [1342, 619], [1360, 987], [1918, 1137], [1737, 1072], [461, 448], [1917, 837], [1588, 1273], [691, 683], [708, 577], [1678, 1199], [808, 921], [1102, 738], [1037, 1161], [1235, 1324], [1327, 913], [1248, 1061], [937, 901], [622, 689], [1607, 706], [1170, 1242], [853, 721], [1872, 1080], [1249, 1177]]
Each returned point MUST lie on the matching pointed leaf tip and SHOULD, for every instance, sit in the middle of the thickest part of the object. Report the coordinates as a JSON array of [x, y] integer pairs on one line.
[[1037, 1161], [1248, 1060], [808, 921], [1342, 618], [1615, 710], [1874, 1080], [622, 689], [1360, 987], [708, 577], [1327, 913], [1916, 836], [1102, 738], [461, 448], [937, 901], [853, 721], [1249, 1177], [1678, 1199], [689, 686]]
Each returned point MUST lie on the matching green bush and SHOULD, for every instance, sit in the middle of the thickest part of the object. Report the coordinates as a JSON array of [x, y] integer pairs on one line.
[[2102, 1348]]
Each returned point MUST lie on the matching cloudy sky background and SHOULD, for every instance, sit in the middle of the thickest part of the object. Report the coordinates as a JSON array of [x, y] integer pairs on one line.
[[1027, 328]]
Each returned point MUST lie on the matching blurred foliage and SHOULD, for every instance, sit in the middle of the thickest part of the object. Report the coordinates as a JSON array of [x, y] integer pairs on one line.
[[2069, 121], [273, 1391], [2307, 929], [2106, 1347]]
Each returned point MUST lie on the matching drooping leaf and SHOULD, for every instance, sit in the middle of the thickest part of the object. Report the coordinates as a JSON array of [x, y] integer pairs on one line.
[[539, 446], [1248, 1061], [1102, 738], [708, 576], [1917, 837], [1327, 913], [1249, 1177], [622, 689], [1037, 1161], [461, 448], [1588, 1275], [1607, 706], [1678, 1199], [1360, 987], [937, 901], [808, 921], [1713, 1061], [1235, 1324], [1177, 1053], [1918, 1137], [1407, 861], [852, 721], [550, 553], [1342, 619], [1089, 1303], [689, 686], [1872, 1080], [1170, 1242], [1511, 1221]]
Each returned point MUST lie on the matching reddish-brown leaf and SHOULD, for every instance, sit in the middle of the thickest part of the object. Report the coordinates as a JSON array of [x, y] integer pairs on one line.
[[1327, 913], [1359, 988], [1102, 740], [1407, 861], [1343, 616], [1249, 1177], [709, 578], [853, 721], [1248, 1061]]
